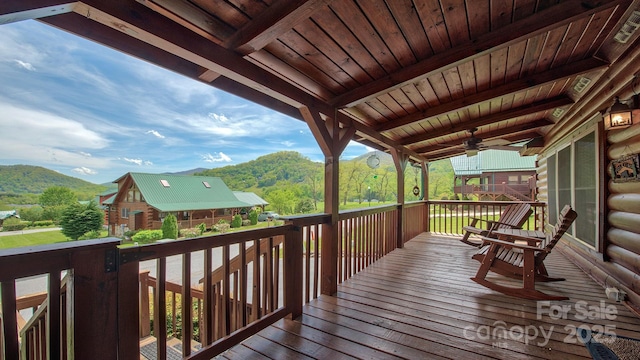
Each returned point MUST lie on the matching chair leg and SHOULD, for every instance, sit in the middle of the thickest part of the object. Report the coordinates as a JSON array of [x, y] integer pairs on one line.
[[529, 276], [465, 237]]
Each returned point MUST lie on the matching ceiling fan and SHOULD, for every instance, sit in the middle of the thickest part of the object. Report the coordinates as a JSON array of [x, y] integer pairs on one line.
[[474, 144]]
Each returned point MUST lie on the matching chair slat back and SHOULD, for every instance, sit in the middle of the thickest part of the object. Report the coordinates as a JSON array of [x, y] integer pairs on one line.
[[514, 215], [565, 219]]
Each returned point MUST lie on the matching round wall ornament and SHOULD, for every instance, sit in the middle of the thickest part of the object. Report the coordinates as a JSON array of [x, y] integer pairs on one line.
[[373, 161]]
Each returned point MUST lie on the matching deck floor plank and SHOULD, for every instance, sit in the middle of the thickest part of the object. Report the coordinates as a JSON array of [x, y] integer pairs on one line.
[[419, 302]]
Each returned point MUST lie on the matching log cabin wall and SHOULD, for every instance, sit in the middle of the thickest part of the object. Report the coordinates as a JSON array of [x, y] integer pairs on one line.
[[614, 261]]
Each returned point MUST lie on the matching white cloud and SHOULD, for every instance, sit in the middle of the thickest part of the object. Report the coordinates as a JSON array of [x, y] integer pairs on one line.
[[216, 157], [25, 65], [138, 162], [287, 143], [155, 133], [84, 171], [85, 154]]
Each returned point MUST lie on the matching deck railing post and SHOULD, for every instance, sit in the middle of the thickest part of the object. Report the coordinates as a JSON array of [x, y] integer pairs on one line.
[[94, 307]]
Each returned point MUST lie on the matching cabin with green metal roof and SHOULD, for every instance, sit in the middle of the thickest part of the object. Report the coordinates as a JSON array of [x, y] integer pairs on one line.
[[495, 175], [144, 200]]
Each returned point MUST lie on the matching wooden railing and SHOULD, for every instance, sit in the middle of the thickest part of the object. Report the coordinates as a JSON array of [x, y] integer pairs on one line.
[[236, 303], [254, 278], [522, 192], [365, 235], [448, 217], [91, 292]]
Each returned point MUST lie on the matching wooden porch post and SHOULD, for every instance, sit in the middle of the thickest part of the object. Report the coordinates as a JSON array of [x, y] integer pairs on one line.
[[424, 166], [400, 159], [332, 140]]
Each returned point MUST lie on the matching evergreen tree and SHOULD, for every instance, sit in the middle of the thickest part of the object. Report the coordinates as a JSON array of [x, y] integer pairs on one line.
[[78, 219], [170, 227]]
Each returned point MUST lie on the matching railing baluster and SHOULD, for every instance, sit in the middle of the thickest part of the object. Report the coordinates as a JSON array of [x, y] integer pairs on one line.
[[160, 309], [243, 283], [53, 317], [226, 290], [256, 312], [208, 312], [187, 306], [316, 261]]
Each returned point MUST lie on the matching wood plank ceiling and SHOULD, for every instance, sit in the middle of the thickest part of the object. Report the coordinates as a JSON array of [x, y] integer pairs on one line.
[[410, 74]]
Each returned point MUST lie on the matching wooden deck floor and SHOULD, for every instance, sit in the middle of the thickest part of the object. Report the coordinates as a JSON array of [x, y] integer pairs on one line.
[[419, 303]]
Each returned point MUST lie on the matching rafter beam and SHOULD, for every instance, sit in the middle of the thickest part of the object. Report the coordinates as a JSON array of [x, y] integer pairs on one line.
[[507, 131], [529, 109], [277, 19], [551, 18], [14, 11], [533, 81]]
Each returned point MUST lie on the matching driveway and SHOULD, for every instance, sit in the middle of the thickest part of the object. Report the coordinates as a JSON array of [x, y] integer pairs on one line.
[[28, 231]]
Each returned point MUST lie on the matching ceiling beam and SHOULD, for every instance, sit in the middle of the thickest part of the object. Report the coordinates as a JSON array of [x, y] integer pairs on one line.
[[276, 20], [199, 21], [532, 81], [14, 11], [506, 131], [501, 38], [513, 113]]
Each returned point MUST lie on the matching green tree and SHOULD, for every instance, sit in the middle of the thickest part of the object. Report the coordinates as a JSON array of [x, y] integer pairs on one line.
[[57, 195], [305, 205], [280, 200], [31, 214], [54, 201], [170, 227], [78, 219]]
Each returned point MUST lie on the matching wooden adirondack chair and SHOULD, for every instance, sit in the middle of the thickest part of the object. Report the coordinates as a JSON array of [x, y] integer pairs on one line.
[[515, 260], [513, 217]]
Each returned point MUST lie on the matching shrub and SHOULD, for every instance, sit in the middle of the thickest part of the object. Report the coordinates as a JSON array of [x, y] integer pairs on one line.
[[202, 227], [221, 227], [236, 222], [246, 222], [253, 217], [43, 223], [93, 234], [190, 233], [170, 227], [147, 236], [13, 227]]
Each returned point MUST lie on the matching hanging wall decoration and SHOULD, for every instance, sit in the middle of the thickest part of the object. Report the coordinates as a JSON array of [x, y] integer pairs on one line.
[[625, 169]]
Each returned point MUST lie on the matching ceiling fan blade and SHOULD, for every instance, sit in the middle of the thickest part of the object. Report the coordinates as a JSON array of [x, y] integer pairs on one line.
[[492, 142], [504, 147]]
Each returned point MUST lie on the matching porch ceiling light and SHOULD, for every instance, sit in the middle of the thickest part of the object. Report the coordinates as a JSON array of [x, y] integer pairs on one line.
[[618, 116]]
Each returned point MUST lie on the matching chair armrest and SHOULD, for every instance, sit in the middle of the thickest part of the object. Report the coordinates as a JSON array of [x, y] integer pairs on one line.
[[513, 245]]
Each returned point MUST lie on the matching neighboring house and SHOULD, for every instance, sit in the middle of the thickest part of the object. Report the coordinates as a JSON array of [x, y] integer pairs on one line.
[[144, 200], [503, 175], [103, 199], [250, 198], [7, 214]]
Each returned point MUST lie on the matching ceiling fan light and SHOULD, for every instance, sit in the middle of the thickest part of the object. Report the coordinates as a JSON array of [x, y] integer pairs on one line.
[[471, 152]]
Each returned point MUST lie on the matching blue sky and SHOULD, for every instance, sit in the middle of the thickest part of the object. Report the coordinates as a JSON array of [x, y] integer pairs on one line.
[[87, 111]]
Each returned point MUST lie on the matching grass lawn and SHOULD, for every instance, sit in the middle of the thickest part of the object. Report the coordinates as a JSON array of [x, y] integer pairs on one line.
[[32, 239]]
